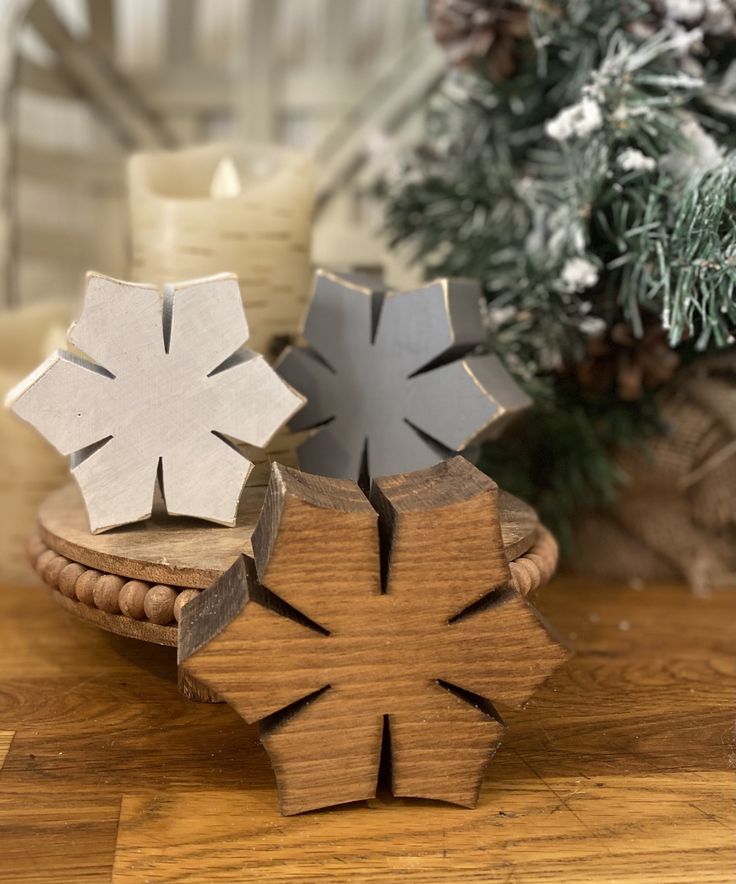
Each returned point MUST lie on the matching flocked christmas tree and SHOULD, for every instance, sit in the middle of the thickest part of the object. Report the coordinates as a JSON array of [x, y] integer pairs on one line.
[[579, 161]]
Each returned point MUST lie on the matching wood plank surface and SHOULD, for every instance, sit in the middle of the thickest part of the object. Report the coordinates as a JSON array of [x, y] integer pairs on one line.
[[621, 768], [6, 738]]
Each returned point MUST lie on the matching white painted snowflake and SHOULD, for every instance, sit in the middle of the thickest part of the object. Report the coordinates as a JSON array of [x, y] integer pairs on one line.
[[391, 379], [170, 384]]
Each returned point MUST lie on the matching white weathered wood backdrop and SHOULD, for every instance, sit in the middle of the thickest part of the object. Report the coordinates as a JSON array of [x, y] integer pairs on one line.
[[328, 75]]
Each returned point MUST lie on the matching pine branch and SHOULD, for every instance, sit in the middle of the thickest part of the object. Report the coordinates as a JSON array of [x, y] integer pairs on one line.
[[685, 266], [595, 185]]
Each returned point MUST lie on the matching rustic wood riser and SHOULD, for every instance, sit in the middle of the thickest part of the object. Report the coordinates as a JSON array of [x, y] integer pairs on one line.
[[183, 555]]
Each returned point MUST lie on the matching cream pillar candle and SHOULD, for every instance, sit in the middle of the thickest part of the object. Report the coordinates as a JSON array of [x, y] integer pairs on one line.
[[231, 207]]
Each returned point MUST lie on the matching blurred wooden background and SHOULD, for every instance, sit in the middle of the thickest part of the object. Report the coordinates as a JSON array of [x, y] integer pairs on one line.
[[84, 82]]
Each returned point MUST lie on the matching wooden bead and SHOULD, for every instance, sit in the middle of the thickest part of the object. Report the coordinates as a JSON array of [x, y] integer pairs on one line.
[[34, 547], [53, 569], [131, 599], [548, 547], [106, 593], [533, 572], [159, 604], [68, 579], [542, 563], [186, 595], [43, 560], [522, 579], [85, 585]]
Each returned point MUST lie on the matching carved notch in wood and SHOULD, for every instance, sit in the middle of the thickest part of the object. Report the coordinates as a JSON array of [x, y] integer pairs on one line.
[[360, 619]]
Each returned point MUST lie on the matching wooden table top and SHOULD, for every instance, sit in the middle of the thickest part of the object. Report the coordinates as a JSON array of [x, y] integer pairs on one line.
[[620, 769]]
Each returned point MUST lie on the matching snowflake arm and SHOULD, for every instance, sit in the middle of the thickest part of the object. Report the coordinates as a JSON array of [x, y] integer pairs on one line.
[[304, 371], [476, 396], [209, 312], [529, 654], [341, 305], [397, 446], [120, 323], [42, 399], [424, 764], [117, 480], [328, 773], [257, 687], [336, 449], [244, 378], [315, 538], [428, 511], [226, 470], [435, 322]]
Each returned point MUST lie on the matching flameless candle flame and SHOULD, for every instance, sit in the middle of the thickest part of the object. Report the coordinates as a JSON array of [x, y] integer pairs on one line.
[[244, 208], [225, 181]]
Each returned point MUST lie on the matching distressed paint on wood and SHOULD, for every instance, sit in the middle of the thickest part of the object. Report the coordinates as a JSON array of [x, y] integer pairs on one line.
[[170, 384], [390, 382]]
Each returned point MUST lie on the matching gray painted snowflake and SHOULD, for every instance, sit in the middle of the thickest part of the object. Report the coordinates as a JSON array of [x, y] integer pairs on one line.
[[391, 379]]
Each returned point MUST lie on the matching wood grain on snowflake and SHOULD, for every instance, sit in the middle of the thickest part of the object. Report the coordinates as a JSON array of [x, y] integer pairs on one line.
[[170, 383], [391, 379], [361, 621]]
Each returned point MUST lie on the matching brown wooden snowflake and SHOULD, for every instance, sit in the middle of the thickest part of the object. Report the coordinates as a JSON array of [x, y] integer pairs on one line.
[[361, 621]]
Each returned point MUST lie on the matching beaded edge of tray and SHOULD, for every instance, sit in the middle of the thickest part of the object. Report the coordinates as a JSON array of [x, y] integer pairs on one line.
[[150, 612]]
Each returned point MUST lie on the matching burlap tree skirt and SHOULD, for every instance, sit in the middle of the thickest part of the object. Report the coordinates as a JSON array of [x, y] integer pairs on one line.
[[676, 515]]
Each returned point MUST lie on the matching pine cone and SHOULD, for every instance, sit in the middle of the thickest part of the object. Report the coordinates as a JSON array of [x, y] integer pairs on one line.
[[481, 29], [630, 365]]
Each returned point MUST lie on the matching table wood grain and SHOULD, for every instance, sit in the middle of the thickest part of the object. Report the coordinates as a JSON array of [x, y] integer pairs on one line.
[[621, 769]]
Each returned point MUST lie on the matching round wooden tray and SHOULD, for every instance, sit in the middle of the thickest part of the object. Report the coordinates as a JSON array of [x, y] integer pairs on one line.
[[188, 554]]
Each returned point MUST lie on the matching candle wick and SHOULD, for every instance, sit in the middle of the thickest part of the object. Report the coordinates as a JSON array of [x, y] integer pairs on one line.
[[225, 182]]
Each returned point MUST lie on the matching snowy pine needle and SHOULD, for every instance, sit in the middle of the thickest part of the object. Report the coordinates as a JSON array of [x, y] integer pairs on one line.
[[687, 269], [595, 185]]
